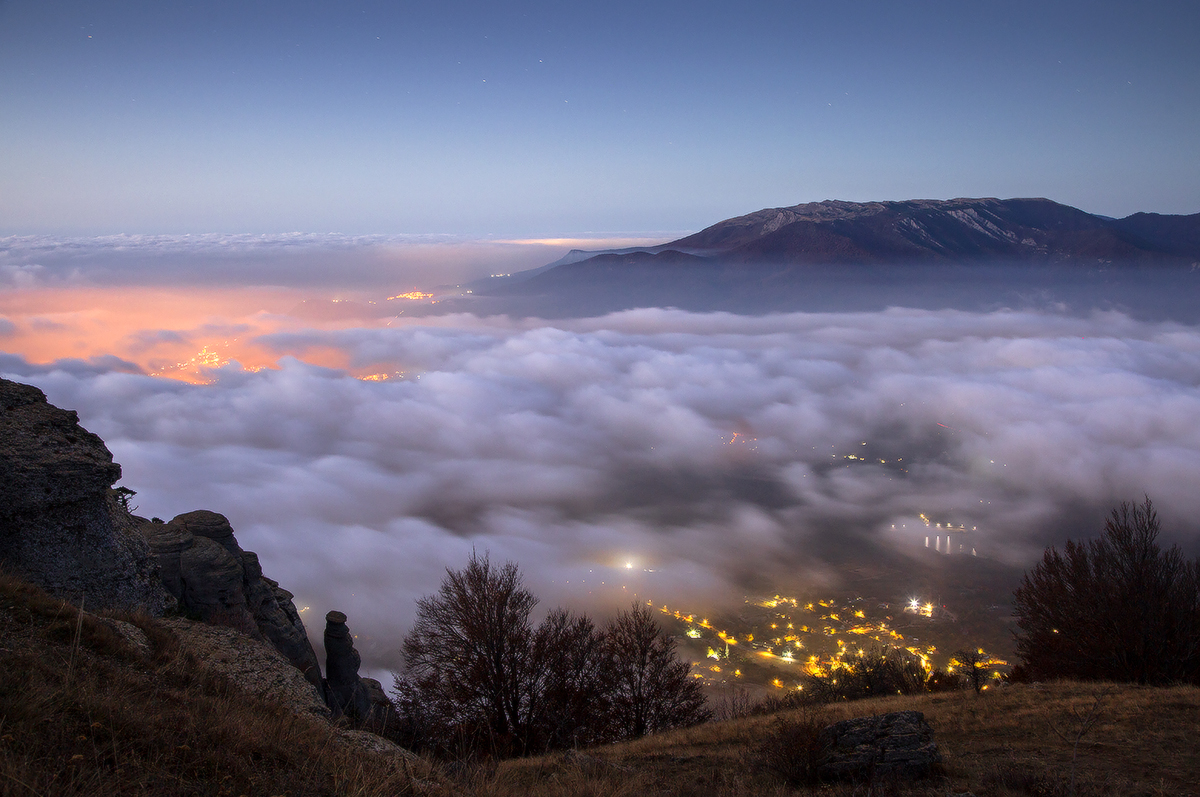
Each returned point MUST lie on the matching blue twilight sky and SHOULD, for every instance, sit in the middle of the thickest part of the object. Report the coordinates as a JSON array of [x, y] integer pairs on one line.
[[533, 119]]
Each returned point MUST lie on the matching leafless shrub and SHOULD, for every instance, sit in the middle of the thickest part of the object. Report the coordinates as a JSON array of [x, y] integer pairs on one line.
[[1080, 723], [792, 748], [733, 703]]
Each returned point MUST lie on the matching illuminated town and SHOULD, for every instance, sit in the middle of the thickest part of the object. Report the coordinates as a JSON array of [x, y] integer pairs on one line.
[[778, 641]]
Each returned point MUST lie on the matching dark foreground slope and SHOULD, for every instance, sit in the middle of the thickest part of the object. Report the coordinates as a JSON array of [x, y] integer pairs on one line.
[[1002, 743], [971, 254], [126, 704], [89, 708]]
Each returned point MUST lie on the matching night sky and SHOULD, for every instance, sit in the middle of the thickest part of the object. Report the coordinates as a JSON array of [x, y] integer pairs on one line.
[[539, 119]]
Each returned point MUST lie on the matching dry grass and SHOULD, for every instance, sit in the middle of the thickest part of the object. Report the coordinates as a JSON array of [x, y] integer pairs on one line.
[[1002, 742], [83, 712]]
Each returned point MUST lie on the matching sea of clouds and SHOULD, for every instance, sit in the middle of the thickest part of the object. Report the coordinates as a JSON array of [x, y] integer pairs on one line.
[[712, 449]]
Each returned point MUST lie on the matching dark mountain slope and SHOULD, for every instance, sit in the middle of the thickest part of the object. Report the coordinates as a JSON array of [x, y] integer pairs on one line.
[[1178, 235]]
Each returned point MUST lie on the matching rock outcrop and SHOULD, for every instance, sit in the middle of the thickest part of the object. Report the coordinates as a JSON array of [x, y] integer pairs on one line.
[[63, 528], [346, 693], [213, 579], [897, 745], [361, 700], [60, 525], [255, 666]]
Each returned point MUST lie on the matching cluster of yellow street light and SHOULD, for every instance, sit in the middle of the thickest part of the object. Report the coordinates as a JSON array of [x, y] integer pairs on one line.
[[787, 640]]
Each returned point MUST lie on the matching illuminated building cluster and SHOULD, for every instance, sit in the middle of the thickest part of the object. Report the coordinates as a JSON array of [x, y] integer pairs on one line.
[[382, 377], [800, 637]]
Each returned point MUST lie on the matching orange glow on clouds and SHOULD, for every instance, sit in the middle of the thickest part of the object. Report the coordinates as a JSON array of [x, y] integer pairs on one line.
[[179, 333]]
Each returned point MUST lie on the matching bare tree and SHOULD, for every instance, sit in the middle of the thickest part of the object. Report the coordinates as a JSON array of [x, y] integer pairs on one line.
[[647, 687], [467, 655], [878, 671], [973, 665], [566, 694], [481, 678], [1115, 608]]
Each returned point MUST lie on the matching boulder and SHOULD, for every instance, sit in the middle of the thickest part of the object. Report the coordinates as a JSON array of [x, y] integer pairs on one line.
[[212, 526], [897, 745], [360, 700], [168, 542], [212, 585], [256, 667], [61, 527]]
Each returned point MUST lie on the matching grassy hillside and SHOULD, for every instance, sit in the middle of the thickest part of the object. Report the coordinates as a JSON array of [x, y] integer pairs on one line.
[[1002, 742], [86, 711]]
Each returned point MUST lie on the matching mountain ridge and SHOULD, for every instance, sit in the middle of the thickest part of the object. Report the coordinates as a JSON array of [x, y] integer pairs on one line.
[[977, 254], [929, 230]]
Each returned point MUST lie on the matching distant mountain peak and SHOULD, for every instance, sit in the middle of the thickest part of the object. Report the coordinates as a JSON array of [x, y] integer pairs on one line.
[[967, 252], [936, 230]]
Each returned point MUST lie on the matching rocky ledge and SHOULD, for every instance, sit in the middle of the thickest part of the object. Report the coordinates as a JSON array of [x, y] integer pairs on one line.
[[896, 745], [60, 525], [64, 528]]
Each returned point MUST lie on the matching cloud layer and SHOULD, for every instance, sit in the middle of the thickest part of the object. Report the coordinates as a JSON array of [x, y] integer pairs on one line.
[[723, 453]]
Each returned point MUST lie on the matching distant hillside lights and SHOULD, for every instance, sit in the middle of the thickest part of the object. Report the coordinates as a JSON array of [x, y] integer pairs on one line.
[[954, 540], [950, 539]]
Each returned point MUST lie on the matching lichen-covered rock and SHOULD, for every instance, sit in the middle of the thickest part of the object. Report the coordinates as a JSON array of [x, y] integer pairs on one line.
[[373, 743], [132, 635], [896, 745], [60, 527], [254, 666]]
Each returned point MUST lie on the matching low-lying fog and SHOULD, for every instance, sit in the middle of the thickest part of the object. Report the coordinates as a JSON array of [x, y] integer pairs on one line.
[[687, 457], [709, 448]]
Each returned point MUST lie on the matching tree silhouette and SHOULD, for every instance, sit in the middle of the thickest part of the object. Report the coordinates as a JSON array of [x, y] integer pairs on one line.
[[479, 677], [1115, 608], [974, 666], [467, 655], [647, 688]]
